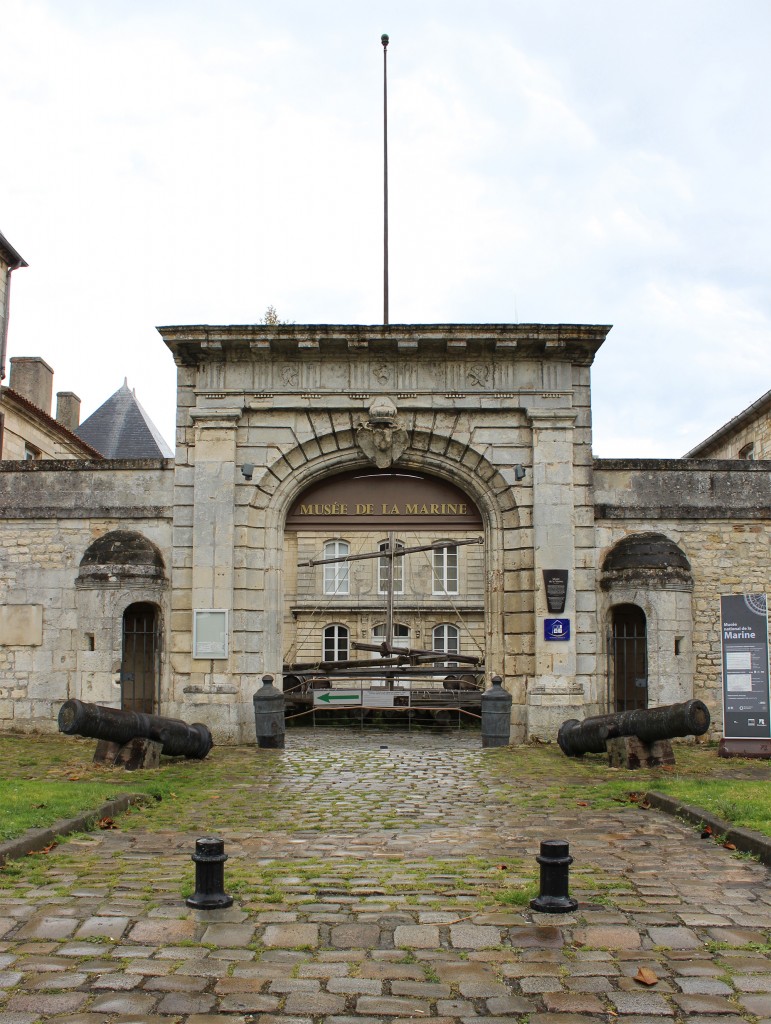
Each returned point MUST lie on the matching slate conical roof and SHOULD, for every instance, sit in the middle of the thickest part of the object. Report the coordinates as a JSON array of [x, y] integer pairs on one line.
[[121, 429]]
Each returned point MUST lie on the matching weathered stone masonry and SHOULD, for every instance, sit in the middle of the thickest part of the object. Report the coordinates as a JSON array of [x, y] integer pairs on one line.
[[501, 411]]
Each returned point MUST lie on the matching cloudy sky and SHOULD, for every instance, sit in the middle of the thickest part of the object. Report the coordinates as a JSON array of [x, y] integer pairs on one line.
[[177, 161]]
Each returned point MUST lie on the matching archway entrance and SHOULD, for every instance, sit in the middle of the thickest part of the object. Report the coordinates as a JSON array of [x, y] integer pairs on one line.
[[140, 658], [628, 659], [384, 619]]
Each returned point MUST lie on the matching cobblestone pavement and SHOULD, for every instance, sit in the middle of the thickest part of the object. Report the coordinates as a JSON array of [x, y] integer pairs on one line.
[[395, 889]]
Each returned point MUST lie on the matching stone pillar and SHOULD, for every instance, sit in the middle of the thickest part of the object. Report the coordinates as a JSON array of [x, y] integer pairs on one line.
[[554, 694], [213, 518]]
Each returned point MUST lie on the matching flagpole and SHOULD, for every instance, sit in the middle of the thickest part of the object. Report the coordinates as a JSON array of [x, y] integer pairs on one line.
[[384, 41]]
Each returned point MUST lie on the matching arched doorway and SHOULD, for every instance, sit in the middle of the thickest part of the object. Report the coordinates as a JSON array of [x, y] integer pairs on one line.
[[650, 574], [140, 658], [628, 659], [394, 562]]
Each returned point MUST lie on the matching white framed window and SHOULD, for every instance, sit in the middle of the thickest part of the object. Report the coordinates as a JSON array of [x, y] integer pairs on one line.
[[336, 576], [382, 569], [446, 638], [446, 569], [401, 637], [336, 643]]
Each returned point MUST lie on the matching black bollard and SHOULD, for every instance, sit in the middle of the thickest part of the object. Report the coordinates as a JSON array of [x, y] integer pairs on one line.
[[496, 715], [269, 721], [555, 860], [209, 860]]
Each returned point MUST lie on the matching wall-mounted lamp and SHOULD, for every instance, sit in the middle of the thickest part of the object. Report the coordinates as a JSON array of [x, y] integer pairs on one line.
[[246, 470], [519, 471]]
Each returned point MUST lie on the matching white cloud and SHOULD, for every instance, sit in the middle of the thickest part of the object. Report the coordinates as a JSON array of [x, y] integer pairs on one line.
[[172, 164]]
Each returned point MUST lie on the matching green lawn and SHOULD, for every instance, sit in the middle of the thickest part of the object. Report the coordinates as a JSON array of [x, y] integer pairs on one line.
[[743, 802], [31, 804]]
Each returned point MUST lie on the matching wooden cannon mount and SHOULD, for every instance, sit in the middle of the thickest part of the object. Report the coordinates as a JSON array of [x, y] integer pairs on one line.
[[635, 739], [131, 739], [394, 662]]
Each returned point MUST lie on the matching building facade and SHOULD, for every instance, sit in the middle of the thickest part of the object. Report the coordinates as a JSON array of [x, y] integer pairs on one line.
[[301, 448], [746, 436], [27, 429]]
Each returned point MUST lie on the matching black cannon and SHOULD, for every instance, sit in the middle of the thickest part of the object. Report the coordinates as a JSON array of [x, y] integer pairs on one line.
[[178, 739], [691, 718]]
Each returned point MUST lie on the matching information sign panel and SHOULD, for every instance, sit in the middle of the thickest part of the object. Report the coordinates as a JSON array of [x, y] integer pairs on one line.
[[556, 629], [744, 633], [210, 633], [378, 698], [556, 583], [337, 698]]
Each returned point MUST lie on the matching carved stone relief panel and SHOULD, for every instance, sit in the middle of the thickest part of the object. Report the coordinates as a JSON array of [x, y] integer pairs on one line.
[[480, 376], [383, 375], [288, 376], [407, 375]]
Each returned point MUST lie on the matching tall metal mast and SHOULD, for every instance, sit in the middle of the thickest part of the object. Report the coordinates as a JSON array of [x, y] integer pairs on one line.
[[384, 41]]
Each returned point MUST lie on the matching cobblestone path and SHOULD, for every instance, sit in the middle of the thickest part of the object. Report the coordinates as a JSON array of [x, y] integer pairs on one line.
[[386, 883]]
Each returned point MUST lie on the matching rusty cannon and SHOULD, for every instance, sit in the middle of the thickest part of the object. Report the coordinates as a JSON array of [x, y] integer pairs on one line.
[[635, 738], [133, 739]]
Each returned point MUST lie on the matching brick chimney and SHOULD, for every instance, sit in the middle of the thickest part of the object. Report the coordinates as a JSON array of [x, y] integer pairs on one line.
[[33, 379], [68, 409]]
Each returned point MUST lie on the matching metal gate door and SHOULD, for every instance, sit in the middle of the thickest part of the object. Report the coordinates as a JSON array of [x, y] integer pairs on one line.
[[628, 659], [140, 661]]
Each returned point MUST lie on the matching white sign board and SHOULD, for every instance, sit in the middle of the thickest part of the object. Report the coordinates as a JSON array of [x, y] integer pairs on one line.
[[378, 698], [337, 698], [210, 633]]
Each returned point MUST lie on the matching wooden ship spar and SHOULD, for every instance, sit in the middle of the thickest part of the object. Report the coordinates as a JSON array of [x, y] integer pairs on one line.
[[405, 678]]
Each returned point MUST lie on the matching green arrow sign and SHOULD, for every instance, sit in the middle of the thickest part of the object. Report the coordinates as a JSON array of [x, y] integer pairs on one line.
[[348, 697]]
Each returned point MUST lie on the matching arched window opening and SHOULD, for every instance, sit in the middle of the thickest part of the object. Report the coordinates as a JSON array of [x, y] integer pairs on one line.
[[336, 645], [401, 634], [445, 563], [446, 638], [140, 658], [336, 575], [628, 659], [382, 575]]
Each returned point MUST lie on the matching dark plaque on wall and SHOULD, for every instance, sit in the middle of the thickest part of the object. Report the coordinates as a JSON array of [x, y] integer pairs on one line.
[[556, 583]]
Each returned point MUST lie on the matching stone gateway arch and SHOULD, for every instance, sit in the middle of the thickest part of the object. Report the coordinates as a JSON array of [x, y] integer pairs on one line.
[[268, 414]]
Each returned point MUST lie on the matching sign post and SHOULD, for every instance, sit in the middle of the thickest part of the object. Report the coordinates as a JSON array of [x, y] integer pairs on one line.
[[744, 637]]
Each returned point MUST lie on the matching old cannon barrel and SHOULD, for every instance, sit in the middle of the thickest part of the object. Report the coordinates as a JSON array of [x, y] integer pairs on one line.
[[100, 723], [691, 718]]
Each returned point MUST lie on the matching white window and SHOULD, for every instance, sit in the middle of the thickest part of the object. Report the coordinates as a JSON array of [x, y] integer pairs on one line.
[[336, 643], [447, 639], [382, 577], [401, 637], [336, 578], [446, 569]]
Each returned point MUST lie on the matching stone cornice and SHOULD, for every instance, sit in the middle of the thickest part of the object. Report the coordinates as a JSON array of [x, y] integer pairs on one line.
[[196, 344]]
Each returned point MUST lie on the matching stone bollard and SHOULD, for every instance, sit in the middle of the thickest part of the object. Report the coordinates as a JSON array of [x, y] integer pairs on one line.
[[269, 715], [209, 858], [555, 861], [496, 715]]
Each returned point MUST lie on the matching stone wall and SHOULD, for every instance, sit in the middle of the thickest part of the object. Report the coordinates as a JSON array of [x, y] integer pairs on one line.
[[50, 513], [719, 513]]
